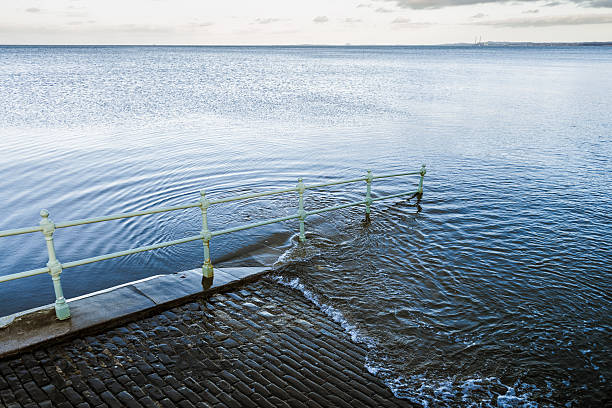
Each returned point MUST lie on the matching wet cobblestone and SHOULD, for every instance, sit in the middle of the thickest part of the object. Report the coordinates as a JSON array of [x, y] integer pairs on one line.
[[262, 345]]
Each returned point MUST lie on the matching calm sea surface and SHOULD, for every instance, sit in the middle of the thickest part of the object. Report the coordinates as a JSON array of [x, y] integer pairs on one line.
[[495, 292]]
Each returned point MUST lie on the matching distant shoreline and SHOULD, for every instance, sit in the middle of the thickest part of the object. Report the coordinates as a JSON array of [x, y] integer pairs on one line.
[[467, 45], [534, 44]]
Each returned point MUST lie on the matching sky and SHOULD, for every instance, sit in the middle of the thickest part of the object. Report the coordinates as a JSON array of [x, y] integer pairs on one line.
[[280, 22]]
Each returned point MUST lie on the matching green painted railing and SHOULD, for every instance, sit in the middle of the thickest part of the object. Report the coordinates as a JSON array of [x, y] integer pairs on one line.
[[55, 267]]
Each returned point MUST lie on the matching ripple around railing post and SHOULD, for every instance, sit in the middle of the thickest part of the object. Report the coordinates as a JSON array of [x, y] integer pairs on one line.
[[368, 198], [300, 188], [55, 268], [420, 188], [62, 311], [207, 267]]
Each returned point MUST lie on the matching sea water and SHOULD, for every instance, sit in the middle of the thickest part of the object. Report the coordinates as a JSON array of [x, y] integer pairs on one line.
[[494, 291]]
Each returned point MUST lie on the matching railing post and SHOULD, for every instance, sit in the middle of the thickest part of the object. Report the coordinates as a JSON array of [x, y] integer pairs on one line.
[[62, 311], [301, 212], [207, 268], [420, 189], [368, 199]]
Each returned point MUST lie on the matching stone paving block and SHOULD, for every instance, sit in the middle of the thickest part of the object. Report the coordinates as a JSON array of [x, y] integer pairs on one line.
[[186, 404], [167, 403], [92, 398], [261, 401], [279, 403], [204, 354], [35, 392], [146, 402], [243, 399], [128, 400], [261, 390], [298, 384], [171, 393], [110, 399], [293, 403], [229, 401]]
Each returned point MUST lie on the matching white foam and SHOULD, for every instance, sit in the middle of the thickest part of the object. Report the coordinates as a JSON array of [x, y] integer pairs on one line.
[[330, 311], [419, 389]]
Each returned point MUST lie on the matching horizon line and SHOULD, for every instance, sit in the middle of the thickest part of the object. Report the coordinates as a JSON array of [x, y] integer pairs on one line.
[[609, 42]]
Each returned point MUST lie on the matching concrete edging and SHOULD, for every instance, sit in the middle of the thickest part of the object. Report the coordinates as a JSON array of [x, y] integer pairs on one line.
[[110, 307]]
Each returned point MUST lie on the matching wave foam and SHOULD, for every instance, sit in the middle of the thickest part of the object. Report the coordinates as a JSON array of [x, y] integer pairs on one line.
[[330, 311], [420, 389]]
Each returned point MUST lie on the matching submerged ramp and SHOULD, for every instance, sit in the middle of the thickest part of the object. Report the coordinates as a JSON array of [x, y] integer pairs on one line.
[[110, 307], [259, 345]]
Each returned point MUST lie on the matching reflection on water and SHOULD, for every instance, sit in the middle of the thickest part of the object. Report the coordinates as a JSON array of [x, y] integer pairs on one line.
[[493, 291]]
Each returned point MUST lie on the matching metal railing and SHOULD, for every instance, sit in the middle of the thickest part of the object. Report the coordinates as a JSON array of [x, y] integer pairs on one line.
[[55, 267]]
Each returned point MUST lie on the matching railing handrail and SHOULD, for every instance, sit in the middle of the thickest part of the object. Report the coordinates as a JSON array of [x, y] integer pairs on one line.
[[117, 216], [54, 267]]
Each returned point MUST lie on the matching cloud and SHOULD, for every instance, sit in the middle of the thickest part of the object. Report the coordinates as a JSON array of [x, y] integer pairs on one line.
[[479, 15], [352, 20], [141, 28], [364, 5], [534, 11], [383, 10], [320, 19], [267, 20], [79, 22], [89, 26], [551, 21], [404, 22], [201, 24], [436, 4], [552, 4], [33, 10]]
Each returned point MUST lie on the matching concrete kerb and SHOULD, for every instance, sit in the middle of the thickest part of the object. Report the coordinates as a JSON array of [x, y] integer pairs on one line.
[[112, 307]]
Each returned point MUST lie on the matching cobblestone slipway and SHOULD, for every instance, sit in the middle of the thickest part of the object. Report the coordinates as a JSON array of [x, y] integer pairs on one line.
[[260, 345]]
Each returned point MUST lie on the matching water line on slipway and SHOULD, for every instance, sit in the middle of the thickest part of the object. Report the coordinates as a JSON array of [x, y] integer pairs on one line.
[[417, 388]]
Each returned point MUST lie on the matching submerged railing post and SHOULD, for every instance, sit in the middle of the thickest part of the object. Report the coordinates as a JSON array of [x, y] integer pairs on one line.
[[300, 188], [207, 268], [420, 188], [368, 199], [62, 311]]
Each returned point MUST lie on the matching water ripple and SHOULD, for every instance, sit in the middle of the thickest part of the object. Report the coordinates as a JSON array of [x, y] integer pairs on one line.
[[494, 291]]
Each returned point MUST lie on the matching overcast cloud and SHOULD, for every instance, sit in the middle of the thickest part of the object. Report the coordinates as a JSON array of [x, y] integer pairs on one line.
[[267, 20], [312, 22], [550, 21], [436, 4]]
